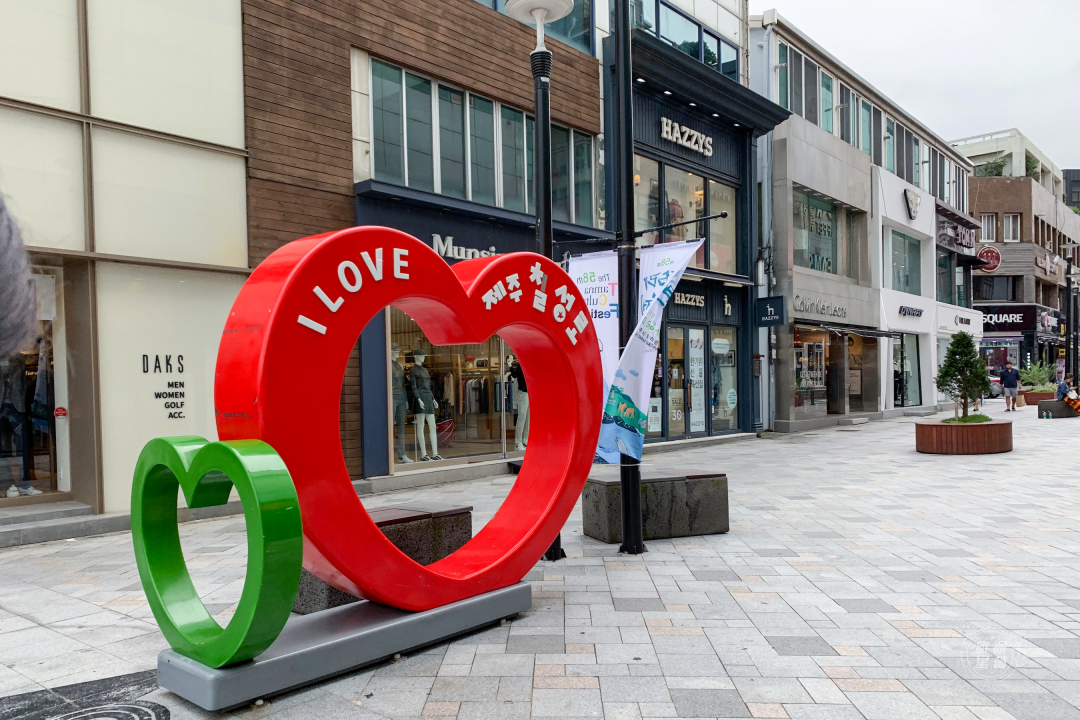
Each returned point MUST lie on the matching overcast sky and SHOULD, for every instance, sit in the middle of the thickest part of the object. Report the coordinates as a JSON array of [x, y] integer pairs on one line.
[[962, 67]]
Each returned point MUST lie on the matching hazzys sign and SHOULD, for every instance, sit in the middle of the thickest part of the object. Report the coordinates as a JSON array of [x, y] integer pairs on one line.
[[280, 438]]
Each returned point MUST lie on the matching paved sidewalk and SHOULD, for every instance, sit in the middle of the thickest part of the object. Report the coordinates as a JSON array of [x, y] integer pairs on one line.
[[859, 580]]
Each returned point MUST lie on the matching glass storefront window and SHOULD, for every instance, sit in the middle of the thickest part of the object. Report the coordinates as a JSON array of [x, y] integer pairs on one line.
[[906, 264], [722, 257], [814, 224], [646, 198], [862, 373], [475, 387], [723, 378], [811, 365], [695, 379], [684, 196], [655, 425], [32, 446], [907, 390], [962, 276]]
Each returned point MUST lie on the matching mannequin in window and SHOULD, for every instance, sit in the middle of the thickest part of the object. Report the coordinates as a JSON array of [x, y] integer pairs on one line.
[[426, 406], [521, 403], [400, 402]]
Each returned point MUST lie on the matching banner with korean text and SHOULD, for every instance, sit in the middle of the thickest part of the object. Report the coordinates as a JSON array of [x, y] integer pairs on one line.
[[625, 412], [597, 277]]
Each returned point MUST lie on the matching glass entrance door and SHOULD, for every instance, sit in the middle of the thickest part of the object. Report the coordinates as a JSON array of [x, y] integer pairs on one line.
[[906, 381], [695, 380], [676, 379]]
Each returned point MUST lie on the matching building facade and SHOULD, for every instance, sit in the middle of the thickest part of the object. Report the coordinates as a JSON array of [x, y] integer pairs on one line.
[[867, 238], [122, 159]]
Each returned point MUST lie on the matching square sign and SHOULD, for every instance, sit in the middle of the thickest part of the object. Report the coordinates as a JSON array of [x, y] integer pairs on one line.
[[771, 311]]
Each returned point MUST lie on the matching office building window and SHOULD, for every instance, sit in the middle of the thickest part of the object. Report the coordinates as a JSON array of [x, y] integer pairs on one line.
[[826, 102], [915, 162], [890, 146], [452, 142], [387, 125], [783, 79], [810, 78], [906, 264], [1001, 289], [1012, 227], [513, 159], [944, 276], [576, 28], [689, 36], [418, 133], [877, 137], [796, 82], [484, 155], [866, 132], [844, 115], [988, 231], [814, 226]]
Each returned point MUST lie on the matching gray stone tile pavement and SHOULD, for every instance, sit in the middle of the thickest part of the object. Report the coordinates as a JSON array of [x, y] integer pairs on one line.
[[860, 580]]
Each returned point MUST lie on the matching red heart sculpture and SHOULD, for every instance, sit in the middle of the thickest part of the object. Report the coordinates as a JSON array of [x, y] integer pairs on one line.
[[279, 374]]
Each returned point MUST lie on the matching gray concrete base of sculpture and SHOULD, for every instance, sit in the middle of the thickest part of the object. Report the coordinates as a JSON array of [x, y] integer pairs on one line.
[[324, 644], [1055, 409], [671, 505]]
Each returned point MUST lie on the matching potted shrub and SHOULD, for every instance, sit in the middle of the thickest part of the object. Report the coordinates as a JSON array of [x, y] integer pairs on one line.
[[962, 376], [1037, 380]]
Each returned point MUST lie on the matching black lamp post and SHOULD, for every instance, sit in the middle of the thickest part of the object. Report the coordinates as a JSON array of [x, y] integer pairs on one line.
[[539, 12], [1070, 312], [633, 541]]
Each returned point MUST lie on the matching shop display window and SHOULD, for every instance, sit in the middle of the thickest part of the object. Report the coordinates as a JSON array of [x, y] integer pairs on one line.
[[723, 378], [684, 196], [811, 365], [479, 390], [907, 385], [862, 373], [32, 447]]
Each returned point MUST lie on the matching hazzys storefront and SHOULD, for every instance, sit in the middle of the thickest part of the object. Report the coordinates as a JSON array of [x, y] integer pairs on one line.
[[695, 136]]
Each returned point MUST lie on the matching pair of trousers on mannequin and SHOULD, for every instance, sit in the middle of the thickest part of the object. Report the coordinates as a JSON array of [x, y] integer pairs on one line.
[[21, 428], [401, 408], [429, 419], [521, 428]]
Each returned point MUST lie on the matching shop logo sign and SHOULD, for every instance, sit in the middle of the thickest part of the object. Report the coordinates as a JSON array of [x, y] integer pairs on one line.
[[819, 307], [1047, 265], [688, 138], [961, 320], [906, 311], [690, 299], [995, 318], [912, 199], [991, 256], [447, 248]]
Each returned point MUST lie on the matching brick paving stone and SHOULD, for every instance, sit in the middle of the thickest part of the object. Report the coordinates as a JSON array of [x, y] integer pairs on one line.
[[899, 586]]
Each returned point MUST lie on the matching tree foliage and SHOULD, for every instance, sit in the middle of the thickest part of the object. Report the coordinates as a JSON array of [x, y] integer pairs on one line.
[[962, 376], [991, 168], [1033, 167], [1038, 374]]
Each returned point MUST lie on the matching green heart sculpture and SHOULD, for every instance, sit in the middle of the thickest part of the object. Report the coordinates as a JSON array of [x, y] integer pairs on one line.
[[207, 472]]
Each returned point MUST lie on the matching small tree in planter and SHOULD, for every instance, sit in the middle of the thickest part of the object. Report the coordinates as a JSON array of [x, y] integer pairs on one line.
[[962, 376]]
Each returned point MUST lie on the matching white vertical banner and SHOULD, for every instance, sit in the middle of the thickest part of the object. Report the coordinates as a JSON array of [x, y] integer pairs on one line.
[[626, 411], [597, 277]]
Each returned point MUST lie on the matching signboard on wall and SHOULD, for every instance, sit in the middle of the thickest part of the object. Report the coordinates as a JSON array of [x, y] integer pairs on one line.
[[1008, 318], [771, 311]]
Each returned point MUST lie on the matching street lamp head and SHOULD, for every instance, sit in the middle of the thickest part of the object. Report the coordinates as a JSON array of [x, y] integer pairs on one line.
[[538, 12], [1069, 246]]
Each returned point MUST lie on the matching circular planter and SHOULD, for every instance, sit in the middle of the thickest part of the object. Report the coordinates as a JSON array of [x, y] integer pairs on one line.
[[934, 436]]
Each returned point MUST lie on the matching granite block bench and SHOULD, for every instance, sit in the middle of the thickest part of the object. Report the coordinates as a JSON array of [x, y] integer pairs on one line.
[[1055, 409], [426, 532], [672, 505]]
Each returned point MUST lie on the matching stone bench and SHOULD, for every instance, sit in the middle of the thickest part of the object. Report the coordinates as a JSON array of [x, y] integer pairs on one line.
[[1056, 408], [426, 532], [672, 505]]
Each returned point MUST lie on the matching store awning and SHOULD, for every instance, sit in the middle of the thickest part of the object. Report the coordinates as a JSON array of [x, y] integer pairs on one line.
[[960, 218], [863, 332]]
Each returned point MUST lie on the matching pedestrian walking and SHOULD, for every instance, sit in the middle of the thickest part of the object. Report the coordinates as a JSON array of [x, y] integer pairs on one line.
[[1010, 386]]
